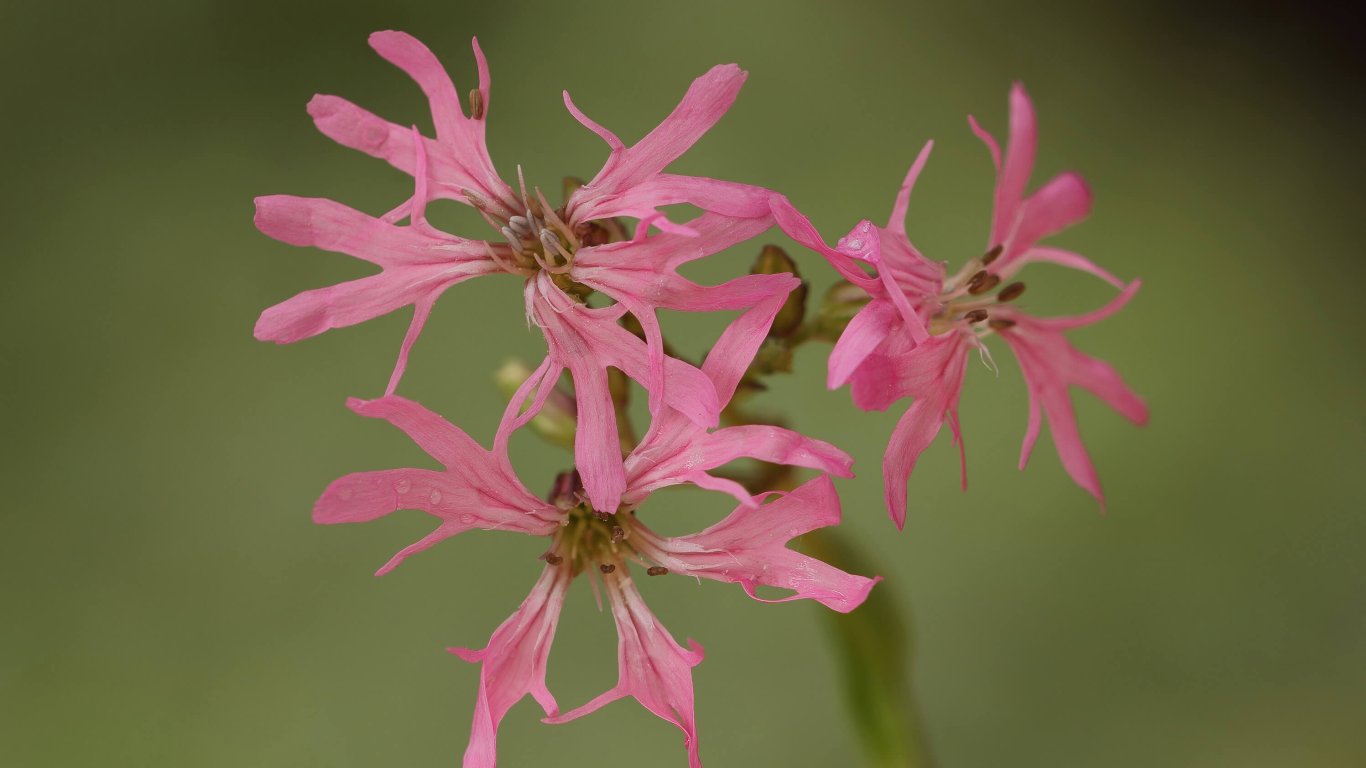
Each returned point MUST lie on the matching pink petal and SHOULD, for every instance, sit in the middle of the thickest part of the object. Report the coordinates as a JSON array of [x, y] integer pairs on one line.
[[543, 380], [992, 147], [1057, 205], [708, 234], [897, 222], [587, 341], [707, 99], [914, 432], [329, 225], [364, 496], [576, 331], [876, 383], [712, 195], [933, 372], [338, 306], [460, 155], [664, 459], [514, 664], [418, 264], [730, 357], [642, 276], [1050, 365], [464, 135], [1067, 323], [613, 142], [597, 447], [421, 311], [775, 445], [357, 128], [863, 335], [749, 548], [913, 274], [1018, 165], [477, 490], [800, 228], [440, 439], [676, 450], [654, 669], [417, 60], [910, 317], [712, 483], [1066, 259]]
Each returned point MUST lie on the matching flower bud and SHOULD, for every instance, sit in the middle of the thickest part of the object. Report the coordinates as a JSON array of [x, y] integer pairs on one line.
[[773, 261], [841, 303], [557, 420]]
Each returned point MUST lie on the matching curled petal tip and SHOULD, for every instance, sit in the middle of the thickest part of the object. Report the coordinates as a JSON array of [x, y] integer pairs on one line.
[[467, 654]]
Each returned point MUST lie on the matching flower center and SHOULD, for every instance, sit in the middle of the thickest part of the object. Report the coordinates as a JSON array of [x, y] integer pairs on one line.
[[967, 300], [588, 538], [545, 239]]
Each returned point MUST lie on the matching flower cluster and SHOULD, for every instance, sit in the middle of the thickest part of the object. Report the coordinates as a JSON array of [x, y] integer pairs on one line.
[[913, 336], [593, 287]]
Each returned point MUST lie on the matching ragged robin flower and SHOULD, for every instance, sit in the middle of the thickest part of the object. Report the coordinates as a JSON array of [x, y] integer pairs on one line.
[[479, 489], [563, 253], [920, 323]]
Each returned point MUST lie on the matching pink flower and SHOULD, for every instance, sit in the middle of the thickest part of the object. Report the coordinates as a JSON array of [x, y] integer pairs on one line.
[[913, 337], [478, 489], [530, 237], [563, 254]]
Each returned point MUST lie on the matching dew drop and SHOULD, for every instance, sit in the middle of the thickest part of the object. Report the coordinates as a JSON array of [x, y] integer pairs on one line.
[[467, 519], [403, 486], [436, 497]]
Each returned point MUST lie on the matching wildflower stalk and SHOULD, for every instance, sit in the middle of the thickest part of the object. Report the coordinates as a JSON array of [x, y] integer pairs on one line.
[[875, 647]]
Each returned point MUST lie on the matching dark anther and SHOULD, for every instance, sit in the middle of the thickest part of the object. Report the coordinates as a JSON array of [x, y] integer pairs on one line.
[[553, 559], [607, 567], [976, 316], [563, 487], [997, 324], [477, 104], [977, 278], [985, 284], [603, 516], [566, 491], [1010, 292], [656, 570], [993, 254], [618, 533]]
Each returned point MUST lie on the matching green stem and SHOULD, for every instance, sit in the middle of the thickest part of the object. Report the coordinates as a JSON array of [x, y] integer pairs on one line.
[[875, 649]]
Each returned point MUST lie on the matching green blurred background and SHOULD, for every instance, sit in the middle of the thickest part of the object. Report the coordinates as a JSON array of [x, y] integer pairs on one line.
[[166, 600]]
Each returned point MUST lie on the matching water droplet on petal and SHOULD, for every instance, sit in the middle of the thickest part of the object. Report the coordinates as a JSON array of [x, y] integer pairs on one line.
[[436, 497], [859, 242], [467, 519], [403, 486]]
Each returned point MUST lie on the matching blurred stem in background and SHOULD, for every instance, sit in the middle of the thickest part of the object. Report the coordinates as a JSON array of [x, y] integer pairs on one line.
[[876, 651]]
